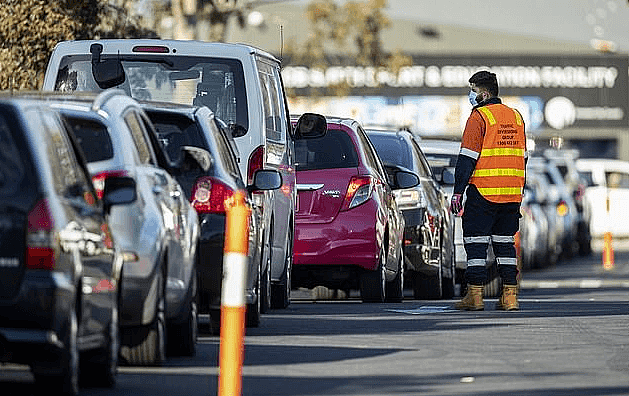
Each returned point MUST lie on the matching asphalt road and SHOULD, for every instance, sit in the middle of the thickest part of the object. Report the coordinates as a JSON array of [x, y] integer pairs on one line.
[[571, 337]]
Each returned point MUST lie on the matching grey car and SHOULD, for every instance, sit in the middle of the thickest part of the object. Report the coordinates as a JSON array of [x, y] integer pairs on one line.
[[159, 232], [59, 266]]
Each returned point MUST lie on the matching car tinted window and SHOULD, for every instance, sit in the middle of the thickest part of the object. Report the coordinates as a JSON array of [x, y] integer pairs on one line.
[[93, 138], [334, 150], [139, 138], [205, 81], [224, 150], [11, 167], [273, 111], [373, 161], [423, 166], [392, 149], [175, 131], [70, 179]]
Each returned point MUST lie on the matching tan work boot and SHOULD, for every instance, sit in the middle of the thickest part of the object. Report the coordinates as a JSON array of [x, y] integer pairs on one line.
[[508, 300], [473, 300]]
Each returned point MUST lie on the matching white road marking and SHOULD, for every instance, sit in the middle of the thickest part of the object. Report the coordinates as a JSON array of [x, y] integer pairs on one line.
[[575, 283], [424, 310]]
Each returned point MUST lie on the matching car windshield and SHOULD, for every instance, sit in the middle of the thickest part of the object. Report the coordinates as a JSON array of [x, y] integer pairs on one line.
[[392, 150], [438, 161], [334, 150], [216, 83]]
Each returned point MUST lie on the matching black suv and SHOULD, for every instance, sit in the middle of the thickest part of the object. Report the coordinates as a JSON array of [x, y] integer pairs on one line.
[[59, 269]]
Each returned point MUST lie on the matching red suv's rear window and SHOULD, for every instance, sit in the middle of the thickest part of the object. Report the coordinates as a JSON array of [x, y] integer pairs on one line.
[[334, 150]]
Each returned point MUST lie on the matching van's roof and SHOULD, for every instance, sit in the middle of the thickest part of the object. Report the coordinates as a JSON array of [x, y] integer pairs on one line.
[[162, 47]]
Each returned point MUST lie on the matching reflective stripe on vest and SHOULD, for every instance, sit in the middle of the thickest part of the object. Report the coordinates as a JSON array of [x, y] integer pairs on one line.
[[499, 173]]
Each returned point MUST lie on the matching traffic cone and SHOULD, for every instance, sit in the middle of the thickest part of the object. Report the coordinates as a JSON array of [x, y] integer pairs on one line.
[[608, 252], [233, 307]]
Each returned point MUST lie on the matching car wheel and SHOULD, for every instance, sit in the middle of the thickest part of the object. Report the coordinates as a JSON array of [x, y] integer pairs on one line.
[[146, 345], [429, 287], [280, 292], [252, 316], [100, 370], [373, 283], [395, 288], [448, 284], [67, 381], [265, 289], [183, 335]]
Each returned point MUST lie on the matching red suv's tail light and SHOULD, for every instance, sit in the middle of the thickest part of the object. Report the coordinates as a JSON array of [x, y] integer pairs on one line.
[[256, 162], [40, 252], [99, 180], [209, 195], [358, 191]]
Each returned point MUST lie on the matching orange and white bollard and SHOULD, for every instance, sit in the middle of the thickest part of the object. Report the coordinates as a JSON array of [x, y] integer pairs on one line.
[[233, 304], [608, 252]]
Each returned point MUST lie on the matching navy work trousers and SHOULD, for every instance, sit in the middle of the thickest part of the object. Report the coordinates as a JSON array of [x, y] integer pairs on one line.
[[485, 222]]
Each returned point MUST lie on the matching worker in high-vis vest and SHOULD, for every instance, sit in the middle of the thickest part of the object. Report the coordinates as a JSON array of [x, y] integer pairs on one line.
[[490, 173]]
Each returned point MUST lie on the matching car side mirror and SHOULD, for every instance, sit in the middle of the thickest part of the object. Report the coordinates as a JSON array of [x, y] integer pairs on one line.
[[265, 179], [311, 126], [196, 157], [404, 179], [119, 190], [447, 177]]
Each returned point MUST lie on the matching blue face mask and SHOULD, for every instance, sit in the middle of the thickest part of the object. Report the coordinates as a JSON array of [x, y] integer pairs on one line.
[[472, 96]]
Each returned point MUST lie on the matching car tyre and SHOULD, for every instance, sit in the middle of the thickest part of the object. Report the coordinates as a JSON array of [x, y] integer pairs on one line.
[[252, 316], [101, 369], [373, 283], [395, 289], [265, 289], [429, 287], [67, 381], [146, 345], [183, 335], [280, 292], [448, 284]]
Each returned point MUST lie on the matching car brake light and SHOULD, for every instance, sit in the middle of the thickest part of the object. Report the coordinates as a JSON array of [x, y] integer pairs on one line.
[[209, 195], [160, 49], [358, 191], [562, 208], [99, 180], [256, 162], [40, 253]]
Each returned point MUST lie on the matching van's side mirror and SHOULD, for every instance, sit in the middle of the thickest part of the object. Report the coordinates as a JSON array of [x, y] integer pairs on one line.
[[196, 157], [119, 190], [311, 126], [266, 179]]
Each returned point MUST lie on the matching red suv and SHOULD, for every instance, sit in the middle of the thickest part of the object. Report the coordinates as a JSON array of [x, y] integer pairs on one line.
[[348, 228]]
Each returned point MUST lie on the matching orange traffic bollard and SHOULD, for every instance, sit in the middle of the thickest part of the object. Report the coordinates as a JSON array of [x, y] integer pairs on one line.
[[608, 252], [233, 304]]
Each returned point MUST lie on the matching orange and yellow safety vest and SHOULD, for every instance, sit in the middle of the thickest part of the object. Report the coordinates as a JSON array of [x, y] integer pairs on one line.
[[499, 172]]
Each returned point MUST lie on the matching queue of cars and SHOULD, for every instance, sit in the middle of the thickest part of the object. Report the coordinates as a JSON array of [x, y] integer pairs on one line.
[[125, 171]]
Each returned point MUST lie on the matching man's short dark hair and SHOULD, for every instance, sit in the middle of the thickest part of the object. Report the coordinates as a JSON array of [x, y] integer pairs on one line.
[[487, 80]]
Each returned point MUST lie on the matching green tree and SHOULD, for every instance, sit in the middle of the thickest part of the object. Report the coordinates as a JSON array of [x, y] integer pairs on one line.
[[29, 30]]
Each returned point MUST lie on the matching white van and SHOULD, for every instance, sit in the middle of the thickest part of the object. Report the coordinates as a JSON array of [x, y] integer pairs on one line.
[[241, 84]]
